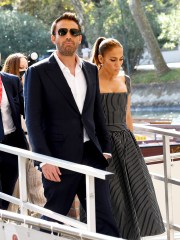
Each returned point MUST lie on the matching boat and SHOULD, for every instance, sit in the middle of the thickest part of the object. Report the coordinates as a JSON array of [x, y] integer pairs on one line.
[[152, 144]]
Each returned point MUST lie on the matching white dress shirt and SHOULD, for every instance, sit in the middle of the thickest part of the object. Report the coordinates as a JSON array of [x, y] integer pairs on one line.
[[76, 83], [7, 120]]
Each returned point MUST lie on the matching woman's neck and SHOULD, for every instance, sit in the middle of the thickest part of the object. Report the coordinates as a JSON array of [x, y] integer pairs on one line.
[[106, 75]]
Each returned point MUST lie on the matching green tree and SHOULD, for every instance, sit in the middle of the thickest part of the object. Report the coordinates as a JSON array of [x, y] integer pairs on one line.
[[148, 36], [164, 18], [45, 10], [22, 33], [110, 18], [113, 19], [170, 24]]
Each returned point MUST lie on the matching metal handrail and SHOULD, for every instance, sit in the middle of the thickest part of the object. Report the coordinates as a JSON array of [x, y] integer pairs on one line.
[[157, 130], [67, 231], [167, 179], [90, 172]]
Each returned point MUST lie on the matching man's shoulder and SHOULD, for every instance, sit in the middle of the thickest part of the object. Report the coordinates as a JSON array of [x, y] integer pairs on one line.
[[43, 63], [88, 64], [9, 76]]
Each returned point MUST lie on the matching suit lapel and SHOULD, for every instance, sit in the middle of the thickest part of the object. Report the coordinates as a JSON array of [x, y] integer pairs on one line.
[[55, 74], [87, 75]]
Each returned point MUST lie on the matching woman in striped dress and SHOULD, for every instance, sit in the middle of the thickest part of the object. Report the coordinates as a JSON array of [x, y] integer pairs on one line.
[[132, 193]]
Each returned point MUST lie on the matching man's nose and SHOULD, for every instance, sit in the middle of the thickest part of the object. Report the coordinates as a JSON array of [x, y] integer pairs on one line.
[[68, 35]]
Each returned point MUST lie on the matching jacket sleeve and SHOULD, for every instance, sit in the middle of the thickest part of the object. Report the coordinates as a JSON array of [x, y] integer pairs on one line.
[[99, 118], [21, 97], [34, 112]]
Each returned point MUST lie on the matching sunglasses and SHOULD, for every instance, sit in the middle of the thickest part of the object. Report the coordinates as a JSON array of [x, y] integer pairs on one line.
[[73, 31]]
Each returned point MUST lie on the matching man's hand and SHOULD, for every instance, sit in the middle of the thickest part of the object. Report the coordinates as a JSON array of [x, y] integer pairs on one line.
[[51, 172], [107, 156]]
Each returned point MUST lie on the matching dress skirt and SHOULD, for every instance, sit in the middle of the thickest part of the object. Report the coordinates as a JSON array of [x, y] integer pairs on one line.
[[133, 197]]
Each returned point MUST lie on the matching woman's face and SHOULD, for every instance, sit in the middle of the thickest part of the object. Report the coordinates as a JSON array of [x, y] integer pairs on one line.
[[23, 66], [112, 60]]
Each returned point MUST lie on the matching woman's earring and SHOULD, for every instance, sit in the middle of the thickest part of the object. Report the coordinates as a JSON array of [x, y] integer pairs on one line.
[[100, 66]]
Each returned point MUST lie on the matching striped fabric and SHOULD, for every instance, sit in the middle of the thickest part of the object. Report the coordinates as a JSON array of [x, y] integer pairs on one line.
[[132, 193]]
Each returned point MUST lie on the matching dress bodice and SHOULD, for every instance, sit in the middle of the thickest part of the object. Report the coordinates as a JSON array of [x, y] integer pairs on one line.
[[115, 105]]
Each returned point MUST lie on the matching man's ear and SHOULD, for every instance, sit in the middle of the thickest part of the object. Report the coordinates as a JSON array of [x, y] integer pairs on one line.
[[80, 39], [53, 39]]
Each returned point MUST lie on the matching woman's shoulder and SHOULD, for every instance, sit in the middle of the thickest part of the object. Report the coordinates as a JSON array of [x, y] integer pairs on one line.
[[128, 83]]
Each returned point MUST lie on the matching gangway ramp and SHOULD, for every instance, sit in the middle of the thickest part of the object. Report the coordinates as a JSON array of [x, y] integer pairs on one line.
[[14, 226]]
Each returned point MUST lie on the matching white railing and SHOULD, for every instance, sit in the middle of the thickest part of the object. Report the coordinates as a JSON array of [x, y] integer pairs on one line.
[[90, 172], [27, 226], [167, 179]]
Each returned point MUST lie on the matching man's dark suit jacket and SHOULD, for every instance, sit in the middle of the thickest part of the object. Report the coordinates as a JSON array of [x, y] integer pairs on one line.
[[14, 91], [9, 162], [54, 123]]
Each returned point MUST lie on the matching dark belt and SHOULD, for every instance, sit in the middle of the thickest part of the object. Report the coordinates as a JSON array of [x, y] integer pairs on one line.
[[116, 127]]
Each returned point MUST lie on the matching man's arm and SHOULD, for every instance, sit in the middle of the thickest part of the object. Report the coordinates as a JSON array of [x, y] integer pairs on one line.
[[34, 112], [34, 105], [99, 119]]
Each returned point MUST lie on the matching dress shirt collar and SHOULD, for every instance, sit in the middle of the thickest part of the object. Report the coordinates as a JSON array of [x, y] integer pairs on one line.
[[62, 66]]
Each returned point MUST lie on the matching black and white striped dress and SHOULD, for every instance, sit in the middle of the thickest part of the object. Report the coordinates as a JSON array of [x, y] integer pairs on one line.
[[132, 193]]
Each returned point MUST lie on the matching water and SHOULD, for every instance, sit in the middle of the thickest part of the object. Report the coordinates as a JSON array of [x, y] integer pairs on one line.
[[160, 113]]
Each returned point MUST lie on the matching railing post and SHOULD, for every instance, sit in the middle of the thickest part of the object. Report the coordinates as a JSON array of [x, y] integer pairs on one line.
[[168, 187], [22, 183], [90, 203]]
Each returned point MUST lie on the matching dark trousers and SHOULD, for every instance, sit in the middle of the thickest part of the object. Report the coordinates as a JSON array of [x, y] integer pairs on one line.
[[8, 169], [61, 195]]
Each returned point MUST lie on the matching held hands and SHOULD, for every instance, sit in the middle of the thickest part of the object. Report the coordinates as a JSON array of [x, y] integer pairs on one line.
[[51, 172], [107, 156]]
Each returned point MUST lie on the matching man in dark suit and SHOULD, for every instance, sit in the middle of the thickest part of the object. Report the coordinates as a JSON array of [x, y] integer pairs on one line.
[[11, 132], [65, 120]]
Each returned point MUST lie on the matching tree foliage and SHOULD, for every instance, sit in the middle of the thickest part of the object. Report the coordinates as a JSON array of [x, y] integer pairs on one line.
[[22, 33], [148, 36], [45, 10], [109, 18], [170, 24], [113, 19]]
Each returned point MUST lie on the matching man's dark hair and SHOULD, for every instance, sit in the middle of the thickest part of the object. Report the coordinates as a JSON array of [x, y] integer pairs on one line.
[[66, 16]]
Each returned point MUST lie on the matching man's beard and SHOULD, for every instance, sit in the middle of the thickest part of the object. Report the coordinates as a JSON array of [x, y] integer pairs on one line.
[[67, 50]]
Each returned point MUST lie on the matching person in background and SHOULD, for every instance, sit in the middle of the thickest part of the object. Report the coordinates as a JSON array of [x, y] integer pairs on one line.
[[16, 63], [65, 120], [85, 52], [11, 132], [132, 193]]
